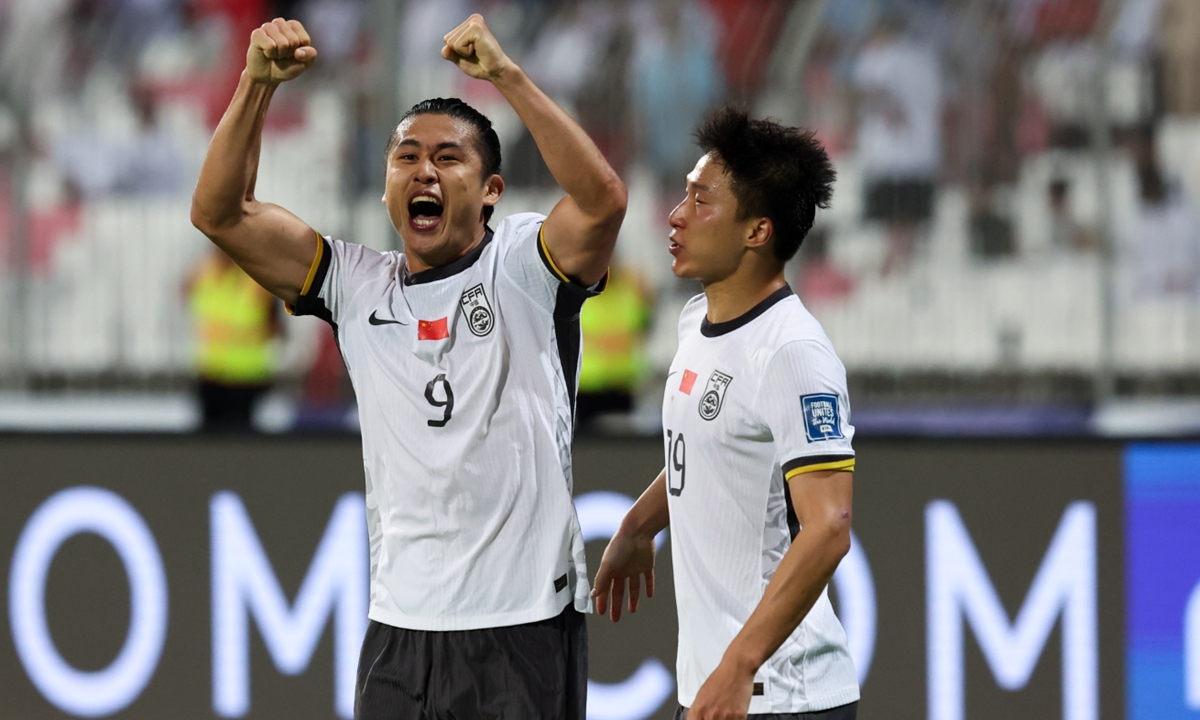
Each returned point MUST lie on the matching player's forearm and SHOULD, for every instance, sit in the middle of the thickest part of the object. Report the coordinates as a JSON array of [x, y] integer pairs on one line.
[[571, 156], [802, 575], [227, 178], [649, 515]]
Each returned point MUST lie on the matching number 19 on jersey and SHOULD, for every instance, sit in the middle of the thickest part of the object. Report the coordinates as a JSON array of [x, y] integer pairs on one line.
[[676, 462]]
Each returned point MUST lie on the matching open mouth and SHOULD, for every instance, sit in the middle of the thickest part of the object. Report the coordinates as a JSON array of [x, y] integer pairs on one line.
[[424, 212]]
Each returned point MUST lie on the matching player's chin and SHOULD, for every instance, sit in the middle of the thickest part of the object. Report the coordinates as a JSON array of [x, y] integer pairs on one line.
[[682, 269]]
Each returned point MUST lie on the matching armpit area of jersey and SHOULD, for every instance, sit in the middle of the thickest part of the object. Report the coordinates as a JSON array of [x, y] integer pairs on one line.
[[817, 463]]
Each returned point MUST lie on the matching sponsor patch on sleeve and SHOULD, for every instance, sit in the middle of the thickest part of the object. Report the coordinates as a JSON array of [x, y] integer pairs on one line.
[[822, 421]]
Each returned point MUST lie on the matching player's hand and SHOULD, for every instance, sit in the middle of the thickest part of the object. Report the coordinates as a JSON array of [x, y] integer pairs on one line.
[[473, 48], [279, 51], [725, 695], [628, 558]]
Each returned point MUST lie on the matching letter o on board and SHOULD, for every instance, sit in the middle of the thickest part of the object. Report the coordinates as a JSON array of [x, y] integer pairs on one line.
[[104, 513], [651, 685]]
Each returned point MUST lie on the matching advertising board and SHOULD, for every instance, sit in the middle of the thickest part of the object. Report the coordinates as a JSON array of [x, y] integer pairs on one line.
[[206, 578]]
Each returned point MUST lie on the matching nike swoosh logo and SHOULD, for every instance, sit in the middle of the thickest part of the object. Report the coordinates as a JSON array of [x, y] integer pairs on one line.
[[376, 321]]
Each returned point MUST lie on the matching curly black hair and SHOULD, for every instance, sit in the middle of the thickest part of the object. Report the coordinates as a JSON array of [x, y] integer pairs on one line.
[[487, 143], [778, 172]]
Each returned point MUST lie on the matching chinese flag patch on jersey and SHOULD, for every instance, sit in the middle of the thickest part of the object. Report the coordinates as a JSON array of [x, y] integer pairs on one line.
[[689, 379], [432, 329]]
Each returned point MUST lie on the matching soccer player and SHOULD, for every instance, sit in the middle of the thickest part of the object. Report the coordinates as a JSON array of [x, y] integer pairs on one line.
[[464, 354], [756, 424]]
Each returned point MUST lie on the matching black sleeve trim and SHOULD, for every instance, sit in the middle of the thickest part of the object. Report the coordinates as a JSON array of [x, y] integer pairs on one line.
[[310, 302], [572, 286], [808, 460]]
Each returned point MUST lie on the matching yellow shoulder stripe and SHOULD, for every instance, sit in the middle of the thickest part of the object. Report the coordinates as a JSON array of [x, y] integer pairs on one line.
[[845, 465], [316, 263], [312, 272], [549, 257]]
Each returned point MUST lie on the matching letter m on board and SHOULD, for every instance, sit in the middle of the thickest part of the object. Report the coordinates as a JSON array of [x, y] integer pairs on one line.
[[958, 587]]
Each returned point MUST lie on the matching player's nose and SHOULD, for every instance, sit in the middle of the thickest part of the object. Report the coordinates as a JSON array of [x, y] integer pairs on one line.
[[675, 219], [425, 171]]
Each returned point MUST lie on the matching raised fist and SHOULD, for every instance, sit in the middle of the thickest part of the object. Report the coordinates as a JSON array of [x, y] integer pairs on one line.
[[279, 51], [473, 48]]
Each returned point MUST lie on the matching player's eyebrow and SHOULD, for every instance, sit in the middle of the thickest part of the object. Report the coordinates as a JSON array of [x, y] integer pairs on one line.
[[436, 148], [698, 186]]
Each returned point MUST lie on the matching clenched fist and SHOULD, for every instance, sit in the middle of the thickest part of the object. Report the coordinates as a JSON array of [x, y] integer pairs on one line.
[[473, 48], [279, 51]]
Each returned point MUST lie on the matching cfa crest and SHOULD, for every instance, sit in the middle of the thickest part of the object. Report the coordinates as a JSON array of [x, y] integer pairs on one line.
[[821, 418], [714, 394], [479, 314]]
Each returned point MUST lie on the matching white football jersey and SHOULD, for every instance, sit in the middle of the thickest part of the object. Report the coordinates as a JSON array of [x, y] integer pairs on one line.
[[465, 377], [750, 404]]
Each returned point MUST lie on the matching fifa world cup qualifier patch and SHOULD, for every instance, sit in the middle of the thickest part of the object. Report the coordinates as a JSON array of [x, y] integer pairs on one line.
[[822, 421], [479, 313], [714, 394]]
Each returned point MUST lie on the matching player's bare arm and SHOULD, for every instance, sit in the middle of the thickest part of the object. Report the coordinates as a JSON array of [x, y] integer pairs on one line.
[[823, 506], [272, 245], [629, 557], [581, 231]]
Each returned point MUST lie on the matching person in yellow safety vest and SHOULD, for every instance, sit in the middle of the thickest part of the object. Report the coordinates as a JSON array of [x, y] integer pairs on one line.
[[614, 325], [235, 321]]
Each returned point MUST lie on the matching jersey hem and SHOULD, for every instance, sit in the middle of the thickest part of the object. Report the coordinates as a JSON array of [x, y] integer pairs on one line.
[[474, 622], [818, 704]]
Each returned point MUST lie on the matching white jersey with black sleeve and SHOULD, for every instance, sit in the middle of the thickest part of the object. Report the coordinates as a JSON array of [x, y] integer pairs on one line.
[[750, 404], [465, 376]]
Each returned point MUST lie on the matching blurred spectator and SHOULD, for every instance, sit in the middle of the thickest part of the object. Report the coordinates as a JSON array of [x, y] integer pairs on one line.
[[748, 30], [817, 279], [148, 162], [235, 322], [567, 48], [614, 325], [826, 107], [1066, 234], [153, 163], [135, 23], [1179, 23], [423, 73], [1167, 231], [899, 135], [33, 47], [335, 26], [675, 80], [568, 52], [604, 105]]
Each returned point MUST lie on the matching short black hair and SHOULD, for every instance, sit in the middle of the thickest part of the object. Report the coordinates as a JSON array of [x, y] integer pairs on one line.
[[778, 172], [487, 143]]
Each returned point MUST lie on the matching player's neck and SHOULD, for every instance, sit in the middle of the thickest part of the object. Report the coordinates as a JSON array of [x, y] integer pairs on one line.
[[444, 255], [734, 296]]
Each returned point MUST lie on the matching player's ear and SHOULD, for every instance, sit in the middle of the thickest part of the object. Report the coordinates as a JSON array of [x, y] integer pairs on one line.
[[759, 232], [493, 188]]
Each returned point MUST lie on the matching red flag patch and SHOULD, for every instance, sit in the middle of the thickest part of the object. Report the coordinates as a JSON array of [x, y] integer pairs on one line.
[[432, 329], [689, 379]]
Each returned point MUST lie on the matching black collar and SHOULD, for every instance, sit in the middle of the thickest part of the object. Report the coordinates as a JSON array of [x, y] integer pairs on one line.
[[451, 268], [711, 329]]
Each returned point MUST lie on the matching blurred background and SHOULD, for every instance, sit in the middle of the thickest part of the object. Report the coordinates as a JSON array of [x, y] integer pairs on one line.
[[1013, 246], [1010, 271]]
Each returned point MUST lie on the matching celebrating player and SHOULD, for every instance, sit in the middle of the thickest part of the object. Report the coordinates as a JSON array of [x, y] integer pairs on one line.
[[756, 421], [464, 354]]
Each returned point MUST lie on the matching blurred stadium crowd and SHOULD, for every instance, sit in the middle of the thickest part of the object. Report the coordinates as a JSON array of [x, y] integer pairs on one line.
[[1016, 220]]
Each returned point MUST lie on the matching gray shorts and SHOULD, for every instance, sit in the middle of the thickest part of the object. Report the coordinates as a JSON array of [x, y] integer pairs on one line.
[[536, 670]]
